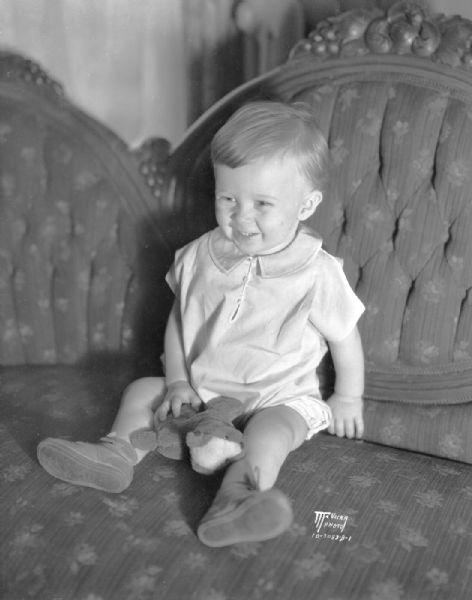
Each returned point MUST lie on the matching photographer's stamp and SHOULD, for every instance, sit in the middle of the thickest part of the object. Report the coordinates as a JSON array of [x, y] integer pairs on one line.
[[330, 526]]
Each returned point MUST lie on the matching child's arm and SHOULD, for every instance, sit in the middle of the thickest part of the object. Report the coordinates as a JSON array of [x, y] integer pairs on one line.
[[179, 390], [346, 402]]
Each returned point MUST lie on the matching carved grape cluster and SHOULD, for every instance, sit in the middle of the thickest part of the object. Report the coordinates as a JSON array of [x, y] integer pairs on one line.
[[403, 29], [153, 157], [15, 67]]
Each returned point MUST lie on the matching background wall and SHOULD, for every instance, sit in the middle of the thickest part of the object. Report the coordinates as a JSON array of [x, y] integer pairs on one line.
[[453, 7]]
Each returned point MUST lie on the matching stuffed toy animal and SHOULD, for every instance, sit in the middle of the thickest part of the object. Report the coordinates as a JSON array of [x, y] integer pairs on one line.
[[208, 436]]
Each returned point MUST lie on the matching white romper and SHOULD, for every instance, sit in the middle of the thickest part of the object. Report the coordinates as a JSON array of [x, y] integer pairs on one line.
[[255, 327]]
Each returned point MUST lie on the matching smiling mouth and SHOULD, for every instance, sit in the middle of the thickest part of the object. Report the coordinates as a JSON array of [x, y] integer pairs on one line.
[[247, 234]]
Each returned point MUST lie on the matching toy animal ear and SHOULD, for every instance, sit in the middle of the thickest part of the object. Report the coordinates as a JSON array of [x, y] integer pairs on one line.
[[310, 204], [227, 408]]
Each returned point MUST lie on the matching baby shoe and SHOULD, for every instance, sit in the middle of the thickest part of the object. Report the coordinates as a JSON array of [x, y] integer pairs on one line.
[[242, 513], [106, 466]]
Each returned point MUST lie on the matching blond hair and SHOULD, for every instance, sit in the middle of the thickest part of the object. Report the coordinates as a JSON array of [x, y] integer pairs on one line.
[[267, 130]]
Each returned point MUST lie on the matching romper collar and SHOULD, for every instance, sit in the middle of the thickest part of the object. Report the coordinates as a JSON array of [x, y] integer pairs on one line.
[[293, 257]]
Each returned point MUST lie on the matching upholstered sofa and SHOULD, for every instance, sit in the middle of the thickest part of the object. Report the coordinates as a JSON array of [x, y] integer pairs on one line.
[[88, 229]]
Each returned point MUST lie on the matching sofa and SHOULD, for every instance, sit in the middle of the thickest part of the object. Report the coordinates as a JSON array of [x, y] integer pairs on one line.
[[88, 229]]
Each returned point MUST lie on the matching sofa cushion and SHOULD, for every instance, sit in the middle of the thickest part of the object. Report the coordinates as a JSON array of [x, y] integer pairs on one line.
[[399, 523]]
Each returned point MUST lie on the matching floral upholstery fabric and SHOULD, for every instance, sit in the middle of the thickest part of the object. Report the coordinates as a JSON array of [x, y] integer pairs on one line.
[[75, 213], [390, 534], [60, 258], [398, 212]]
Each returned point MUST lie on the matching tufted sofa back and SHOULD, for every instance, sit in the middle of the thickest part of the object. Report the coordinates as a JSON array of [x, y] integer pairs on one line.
[[80, 249], [399, 212]]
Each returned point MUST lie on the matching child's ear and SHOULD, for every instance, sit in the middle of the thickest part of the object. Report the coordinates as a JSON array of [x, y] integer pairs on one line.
[[310, 204]]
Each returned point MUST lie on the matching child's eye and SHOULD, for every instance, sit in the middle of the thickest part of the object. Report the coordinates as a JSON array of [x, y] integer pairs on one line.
[[264, 203], [225, 198]]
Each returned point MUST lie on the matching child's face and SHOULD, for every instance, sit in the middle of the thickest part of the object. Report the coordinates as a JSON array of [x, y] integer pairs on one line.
[[259, 205]]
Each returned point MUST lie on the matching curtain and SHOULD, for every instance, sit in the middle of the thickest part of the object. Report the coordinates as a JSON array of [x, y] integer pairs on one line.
[[121, 60]]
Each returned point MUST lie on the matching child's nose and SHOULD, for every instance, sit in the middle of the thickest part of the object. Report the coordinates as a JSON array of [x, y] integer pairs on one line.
[[243, 213]]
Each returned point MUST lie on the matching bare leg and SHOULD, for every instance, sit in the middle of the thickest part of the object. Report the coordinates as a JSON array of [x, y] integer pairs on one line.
[[269, 437], [247, 507], [138, 404]]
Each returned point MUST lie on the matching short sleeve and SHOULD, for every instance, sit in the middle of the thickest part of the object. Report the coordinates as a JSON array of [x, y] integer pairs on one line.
[[172, 280], [184, 266], [336, 308], [176, 272]]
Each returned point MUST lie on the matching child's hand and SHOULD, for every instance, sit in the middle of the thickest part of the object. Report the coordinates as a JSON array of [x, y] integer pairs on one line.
[[178, 393], [347, 416]]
